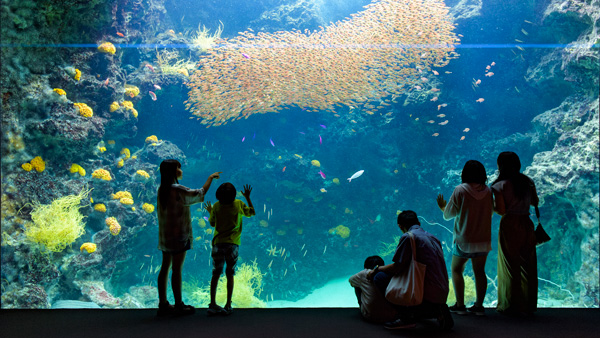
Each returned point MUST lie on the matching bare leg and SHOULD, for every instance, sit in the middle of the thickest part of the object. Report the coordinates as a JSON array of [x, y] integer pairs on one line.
[[478, 264], [458, 267], [214, 282], [229, 290], [178, 260], [163, 277]]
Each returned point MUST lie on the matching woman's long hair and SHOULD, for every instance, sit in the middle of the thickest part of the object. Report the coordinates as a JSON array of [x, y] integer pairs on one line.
[[509, 166], [168, 176]]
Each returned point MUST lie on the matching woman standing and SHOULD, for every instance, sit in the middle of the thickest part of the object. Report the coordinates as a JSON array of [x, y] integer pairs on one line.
[[471, 206], [514, 193]]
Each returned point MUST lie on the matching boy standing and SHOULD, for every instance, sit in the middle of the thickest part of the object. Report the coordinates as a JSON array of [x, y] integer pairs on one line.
[[226, 218]]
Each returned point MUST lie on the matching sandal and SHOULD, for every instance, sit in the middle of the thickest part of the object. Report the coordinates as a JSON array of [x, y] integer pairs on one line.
[[165, 309], [181, 309]]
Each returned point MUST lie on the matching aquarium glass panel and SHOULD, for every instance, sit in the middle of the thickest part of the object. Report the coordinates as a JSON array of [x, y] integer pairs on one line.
[[332, 117]]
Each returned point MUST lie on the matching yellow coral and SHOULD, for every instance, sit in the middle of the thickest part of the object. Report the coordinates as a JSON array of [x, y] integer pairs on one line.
[[100, 207], [126, 201], [102, 174], [131, 91], [126, 152], [27, 166], [38, 164], [127, 104], [143, 173], [76, 168], [134, 112], [107, 47], [60, 91], [315, 163], [246, 290], [77, 75], [113, 226], [88, 247], [183, 72], [340, 230], [152, 139], [470, 294], [114, 106], [102, 149], [149, 208], [121, 194], [58, 224], [121, 163], [84, 109]]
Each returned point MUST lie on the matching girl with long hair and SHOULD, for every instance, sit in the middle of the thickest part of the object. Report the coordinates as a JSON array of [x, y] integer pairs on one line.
[[514, 194], [175, 231]]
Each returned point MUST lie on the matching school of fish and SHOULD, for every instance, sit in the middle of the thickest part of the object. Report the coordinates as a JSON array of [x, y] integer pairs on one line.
[[385, 50]]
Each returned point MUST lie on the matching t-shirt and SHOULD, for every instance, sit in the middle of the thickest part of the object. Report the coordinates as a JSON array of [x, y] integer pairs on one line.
[[373, 306], [227, 220], [174, 219], [471, 205], [429, 252]]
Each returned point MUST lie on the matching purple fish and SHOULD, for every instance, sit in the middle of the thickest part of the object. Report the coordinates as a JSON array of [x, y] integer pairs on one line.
[[243, 138], [245, 55], [322, 174], [273, 144], [206, 218], [323, 126], [320, 140], [303, 133]]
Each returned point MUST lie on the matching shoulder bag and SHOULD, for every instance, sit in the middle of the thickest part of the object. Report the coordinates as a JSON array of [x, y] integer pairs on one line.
[[541, 236], [406, 288]]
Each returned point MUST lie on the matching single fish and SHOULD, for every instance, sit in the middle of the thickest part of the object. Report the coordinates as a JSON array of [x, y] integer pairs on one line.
[[462, 138], [481, 99], [271, 140], [205, 218], [431, 121], [323, 126], [246, 55], [441, 115], [489, 74], [435, 134], [443, 123], [322, 174], [466, 130], [283, 170], [493, 63], [320, 140], [356, 175], [105, 83], [243, 138], [152, 95], [323, 190], [157, 87], [121, 34], [149, 66]]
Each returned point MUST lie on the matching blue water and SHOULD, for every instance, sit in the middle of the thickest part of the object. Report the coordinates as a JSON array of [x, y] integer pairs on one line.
[[405, 167]]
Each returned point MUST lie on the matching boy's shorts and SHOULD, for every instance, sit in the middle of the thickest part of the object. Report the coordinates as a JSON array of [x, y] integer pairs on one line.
[[456, 251], [224, 253]]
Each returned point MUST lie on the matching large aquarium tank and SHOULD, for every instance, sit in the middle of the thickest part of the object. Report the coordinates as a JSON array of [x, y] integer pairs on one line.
[[338, 113]]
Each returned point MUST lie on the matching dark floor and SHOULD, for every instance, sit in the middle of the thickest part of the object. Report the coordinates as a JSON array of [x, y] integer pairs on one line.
[[305, 323]]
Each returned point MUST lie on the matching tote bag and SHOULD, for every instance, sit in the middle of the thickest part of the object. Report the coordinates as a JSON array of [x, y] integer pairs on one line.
[[406, 288]]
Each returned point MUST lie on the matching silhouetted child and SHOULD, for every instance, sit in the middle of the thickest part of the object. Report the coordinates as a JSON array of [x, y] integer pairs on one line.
[[373, 305], [226, 218], [175, 231]]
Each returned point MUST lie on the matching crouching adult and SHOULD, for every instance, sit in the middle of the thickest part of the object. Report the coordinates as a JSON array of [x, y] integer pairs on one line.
[[429, 252]]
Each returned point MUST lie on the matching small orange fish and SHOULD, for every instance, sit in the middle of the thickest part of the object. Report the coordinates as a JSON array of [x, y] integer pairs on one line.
[[493, 63], [435, 90], [477, 82], [462, 138], [121, 34], [435, 72], [431, 121], [435, 98], [481, 99], [466, 130], [443, 123], [441, 115], [283, 170], [105, 83], [489, 74]]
